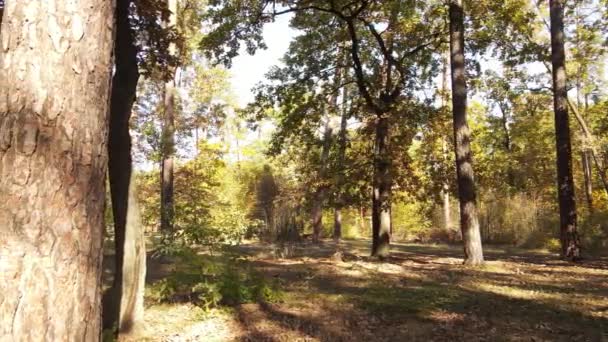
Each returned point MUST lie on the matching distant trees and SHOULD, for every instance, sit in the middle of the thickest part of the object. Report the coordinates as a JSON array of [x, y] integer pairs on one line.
[[54, 90]]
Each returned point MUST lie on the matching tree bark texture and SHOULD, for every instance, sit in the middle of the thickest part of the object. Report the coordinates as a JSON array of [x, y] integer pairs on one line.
[[168, 140], [469, 222], [55, 69], [381, 213], [565, 183], [123, 303]]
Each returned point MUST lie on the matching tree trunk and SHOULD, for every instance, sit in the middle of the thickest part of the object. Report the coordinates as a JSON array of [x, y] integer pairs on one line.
[[337, 224], [317, 215], [168, 139], [54, 91], [342, 140], [381, 216], [445, 192], [586, 159], [469, 222], [565, 184], [123, 302], [317, 209]]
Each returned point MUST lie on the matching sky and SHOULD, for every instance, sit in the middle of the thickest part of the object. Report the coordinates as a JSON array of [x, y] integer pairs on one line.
[[248, 70]]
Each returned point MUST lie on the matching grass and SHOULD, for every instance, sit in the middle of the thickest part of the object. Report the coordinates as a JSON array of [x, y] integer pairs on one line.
[[422, 293]]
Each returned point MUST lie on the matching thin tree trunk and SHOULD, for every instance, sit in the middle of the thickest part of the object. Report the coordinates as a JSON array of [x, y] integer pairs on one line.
[[319, 199], [55, 75], [123, 302], [565, 184], [337, 224], [445, 188], [586, 159], [381, 213], [445, 192], [591, 141], [342, 140], [469, 222], [168, 139]]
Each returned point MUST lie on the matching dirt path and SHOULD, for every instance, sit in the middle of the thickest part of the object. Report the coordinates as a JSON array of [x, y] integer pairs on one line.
[[421, 294]]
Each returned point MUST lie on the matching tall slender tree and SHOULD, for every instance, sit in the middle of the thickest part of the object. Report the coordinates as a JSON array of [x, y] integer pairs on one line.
[[565, 183], [54, 93], [168, 135], [469, 222], [123, 302], [321, 193]]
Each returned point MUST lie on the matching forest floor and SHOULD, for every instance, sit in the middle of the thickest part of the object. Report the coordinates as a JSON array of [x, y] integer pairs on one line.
[[422, 293]]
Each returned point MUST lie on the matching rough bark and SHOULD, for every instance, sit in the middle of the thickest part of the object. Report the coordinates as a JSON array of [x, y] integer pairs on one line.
[[565, 184], [123, 302], [381, 205], [469, 222], [168, 140], [55, 68]]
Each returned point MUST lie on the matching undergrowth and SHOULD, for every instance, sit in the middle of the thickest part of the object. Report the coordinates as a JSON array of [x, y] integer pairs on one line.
[[210, 282]]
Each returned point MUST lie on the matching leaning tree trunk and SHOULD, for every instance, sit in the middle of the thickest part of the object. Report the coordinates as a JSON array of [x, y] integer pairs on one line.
[[588, 178], [123, 302], [54, 89], [469, 222], [168, 139], [565, 184], [381, 205]]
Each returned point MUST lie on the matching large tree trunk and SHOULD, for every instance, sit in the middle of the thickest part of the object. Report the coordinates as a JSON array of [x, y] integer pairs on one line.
[[123, 303], [381, 204], [168, 139], [54, 91], [469, 222], [565, 184]]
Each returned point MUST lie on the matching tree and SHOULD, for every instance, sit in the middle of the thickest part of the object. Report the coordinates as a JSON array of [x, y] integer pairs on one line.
[[168, 135], [469, 222], [565, 184], [54, 93], [123, 302], [386, 63]]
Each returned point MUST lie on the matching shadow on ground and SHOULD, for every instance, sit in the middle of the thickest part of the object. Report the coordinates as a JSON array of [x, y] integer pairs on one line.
[[422, 293]]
